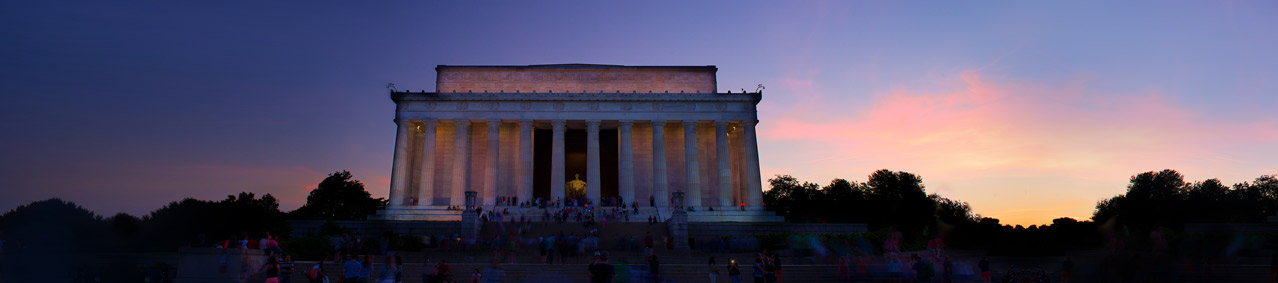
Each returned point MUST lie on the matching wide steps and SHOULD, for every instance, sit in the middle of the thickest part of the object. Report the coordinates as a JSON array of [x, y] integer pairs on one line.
[[413, 272]]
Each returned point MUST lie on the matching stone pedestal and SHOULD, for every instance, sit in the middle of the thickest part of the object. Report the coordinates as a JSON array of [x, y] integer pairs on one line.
[[679, 229], [678, 224], [470, 219]]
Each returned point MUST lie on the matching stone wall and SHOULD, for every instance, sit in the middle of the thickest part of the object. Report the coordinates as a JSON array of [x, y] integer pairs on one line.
[[575, 78]]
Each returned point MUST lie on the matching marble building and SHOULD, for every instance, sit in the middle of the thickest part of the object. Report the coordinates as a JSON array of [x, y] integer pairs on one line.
[[631, 133]]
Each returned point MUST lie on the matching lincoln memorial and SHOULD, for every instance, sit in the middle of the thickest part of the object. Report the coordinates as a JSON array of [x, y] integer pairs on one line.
[[632, 134]]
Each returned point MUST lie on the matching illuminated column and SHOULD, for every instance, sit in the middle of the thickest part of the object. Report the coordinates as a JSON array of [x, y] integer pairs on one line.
[[425, 188], [461, 163], [525, 166], [490, 167], [753, 179], [592, 162], [721, 157], [626, 178], [557, 160], [690, 159], [399, 174], [659, 163]]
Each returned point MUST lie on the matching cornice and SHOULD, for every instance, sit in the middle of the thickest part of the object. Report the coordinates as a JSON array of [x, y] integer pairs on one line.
[[560, 96]]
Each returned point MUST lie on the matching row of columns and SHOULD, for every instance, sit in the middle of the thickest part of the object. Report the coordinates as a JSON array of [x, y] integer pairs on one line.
[[462, 161]]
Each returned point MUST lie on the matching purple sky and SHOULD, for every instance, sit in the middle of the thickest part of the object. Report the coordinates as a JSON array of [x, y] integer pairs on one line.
[[1027, 111]]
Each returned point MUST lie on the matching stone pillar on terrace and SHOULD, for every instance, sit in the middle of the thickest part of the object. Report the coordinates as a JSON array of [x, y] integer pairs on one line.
[[659, 163], [690, 158], [525, 164], [461, 163], [426, 188], [753, 179], [557, 160], [625, 178], [399, 175], [721, 157], [490, 165], [592, 162]]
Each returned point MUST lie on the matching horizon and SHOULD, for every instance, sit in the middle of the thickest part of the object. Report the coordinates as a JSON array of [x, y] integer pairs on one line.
[[1028, 112]]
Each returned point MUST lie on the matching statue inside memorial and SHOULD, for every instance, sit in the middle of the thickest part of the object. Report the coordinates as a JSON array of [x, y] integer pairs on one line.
[[576, 189]]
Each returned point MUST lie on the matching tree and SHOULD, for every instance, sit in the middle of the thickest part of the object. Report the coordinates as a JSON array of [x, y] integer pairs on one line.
[[53, 225], [184, 223], [951, 211], [1163, 199], [901, 199], [339, 197], [841, 190], [788, 197]]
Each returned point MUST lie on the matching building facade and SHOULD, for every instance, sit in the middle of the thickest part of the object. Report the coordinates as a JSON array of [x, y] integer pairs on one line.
[[633, 134]]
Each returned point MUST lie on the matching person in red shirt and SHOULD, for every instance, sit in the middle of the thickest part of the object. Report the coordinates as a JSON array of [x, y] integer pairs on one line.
[[444, 271]]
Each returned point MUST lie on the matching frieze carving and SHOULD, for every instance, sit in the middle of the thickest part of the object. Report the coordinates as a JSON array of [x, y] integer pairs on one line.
[[430, 106], [626, 106], [559, 106], [721, 106], [526, 105], [594, 106], [462, 105], [658, 106], [493, 106]]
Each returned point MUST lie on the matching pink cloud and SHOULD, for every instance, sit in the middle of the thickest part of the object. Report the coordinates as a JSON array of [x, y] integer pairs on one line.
[[975, 137]]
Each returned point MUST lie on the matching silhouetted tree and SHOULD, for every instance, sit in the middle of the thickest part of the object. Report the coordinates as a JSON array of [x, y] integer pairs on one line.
[[900, 199], [53, 225], [790, 198], [339, 197], [1164, 199], [951, 211], [179, 224]]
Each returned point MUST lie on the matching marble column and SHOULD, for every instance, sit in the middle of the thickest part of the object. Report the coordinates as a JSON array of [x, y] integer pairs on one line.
[[557, 160], [399, 174], [489, 195], [592, 162], [525, 164], [721, 157], [625, 160], [691, 162], [659, 163], [753, 179], [425, 188], [461, 164]]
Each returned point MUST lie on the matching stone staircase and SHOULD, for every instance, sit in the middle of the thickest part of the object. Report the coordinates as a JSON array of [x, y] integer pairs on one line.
[[690, 266], [630, 267]]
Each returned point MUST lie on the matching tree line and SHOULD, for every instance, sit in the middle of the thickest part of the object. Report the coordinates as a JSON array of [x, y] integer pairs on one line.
[[57, 225], [894, 201], [897, 201]]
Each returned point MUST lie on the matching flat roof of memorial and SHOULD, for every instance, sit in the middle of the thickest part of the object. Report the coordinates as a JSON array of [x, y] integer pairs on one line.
[[575, 66]]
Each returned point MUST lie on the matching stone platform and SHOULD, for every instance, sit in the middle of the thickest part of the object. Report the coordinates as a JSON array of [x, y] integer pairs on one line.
[[418, 213], [702, 214], [734, 214]]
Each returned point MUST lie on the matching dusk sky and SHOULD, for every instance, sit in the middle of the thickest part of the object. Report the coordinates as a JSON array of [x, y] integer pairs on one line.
[[1029, 111]]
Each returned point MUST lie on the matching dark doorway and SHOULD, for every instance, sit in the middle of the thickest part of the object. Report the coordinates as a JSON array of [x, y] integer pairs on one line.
[[574, 160]]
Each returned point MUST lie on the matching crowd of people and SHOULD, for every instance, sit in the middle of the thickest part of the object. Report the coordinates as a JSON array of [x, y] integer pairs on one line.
[[892, 264]]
